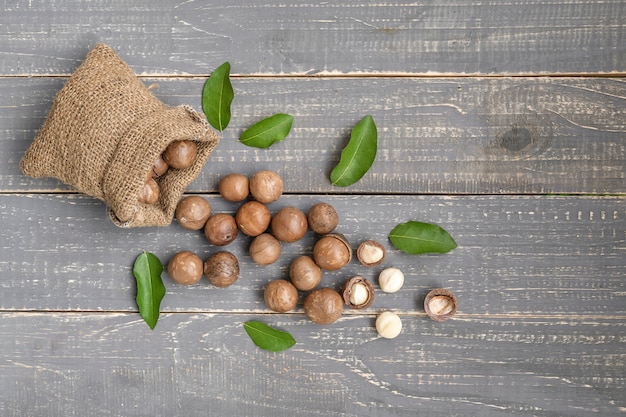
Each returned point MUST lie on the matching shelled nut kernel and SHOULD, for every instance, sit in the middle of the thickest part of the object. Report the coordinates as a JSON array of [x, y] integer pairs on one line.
[[358, 293], [391, 280], [388, 325], [370, 253], [440, 304]]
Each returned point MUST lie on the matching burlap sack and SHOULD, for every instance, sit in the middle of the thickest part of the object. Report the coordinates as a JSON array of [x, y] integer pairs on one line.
[[103, 134]]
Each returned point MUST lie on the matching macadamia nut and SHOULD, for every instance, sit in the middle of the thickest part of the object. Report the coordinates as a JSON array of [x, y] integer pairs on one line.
[[388, 325], [391, 280]]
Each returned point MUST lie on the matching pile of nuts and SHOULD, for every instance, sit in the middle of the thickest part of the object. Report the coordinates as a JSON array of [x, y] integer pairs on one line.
[[179, 154], [331, 252]]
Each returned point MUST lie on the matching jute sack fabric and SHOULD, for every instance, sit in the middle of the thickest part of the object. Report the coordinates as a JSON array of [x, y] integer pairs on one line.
[[103, 133]]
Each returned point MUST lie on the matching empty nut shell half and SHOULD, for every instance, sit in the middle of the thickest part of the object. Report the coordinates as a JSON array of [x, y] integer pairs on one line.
[[358, 293], [440, 304]]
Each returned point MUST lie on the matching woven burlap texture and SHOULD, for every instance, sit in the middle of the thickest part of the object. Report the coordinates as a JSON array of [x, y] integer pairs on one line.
[[103, 133]]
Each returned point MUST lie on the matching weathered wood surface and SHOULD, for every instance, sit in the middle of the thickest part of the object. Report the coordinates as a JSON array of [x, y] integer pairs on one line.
[[431, 37], [442, 136], [486, 111], [96, 364], [536, 256]]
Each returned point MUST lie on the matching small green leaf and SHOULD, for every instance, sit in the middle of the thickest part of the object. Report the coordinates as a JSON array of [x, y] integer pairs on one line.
[[217, 96], [150, 288], [416, 237], [358, 155], [267, 337], [268, 131]]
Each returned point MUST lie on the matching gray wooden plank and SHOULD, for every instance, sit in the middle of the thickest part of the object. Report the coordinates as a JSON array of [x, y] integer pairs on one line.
[[349, 37], [94, 364], [441, 136], [530, 256]]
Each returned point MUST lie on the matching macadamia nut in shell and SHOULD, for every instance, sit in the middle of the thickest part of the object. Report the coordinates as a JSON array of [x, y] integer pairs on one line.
[[266, 186], [323, 306], [280, 296], [185, 268]]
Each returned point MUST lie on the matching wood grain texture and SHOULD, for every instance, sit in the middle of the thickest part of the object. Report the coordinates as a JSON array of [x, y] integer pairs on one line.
[[443, 136], [92, 364], [517, 256], [167, 37], [487, 112]]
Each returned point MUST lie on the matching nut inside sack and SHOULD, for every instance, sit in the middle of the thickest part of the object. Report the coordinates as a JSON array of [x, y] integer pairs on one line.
[[106, 135]]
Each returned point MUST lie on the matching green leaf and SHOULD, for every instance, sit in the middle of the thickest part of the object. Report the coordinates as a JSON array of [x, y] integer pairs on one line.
[[358, 155], [150, 288], [267, 337], [268, 131], [217, 96], [416, 237]]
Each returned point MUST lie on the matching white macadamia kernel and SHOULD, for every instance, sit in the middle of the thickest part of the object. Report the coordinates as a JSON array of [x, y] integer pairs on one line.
[[388, 325], [359, 294], [391, 280], [372, 254]]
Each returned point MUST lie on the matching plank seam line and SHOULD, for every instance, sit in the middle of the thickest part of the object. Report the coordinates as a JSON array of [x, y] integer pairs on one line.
[[342, 194], [357, 75], [374, 313]]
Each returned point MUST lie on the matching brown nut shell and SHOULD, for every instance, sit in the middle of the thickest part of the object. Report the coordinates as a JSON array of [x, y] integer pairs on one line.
[[150, 192], [221, 269], [358, 293], [322, 218], [234, 187], [192, 212], [253, 218], [289, 224], [332, 252], [323, 306], [180, 154], [304, 273], [440, 304], [185, 268], [280, 295], [160, 167], [221, 229], [265, 249], [266, 186], [370, 253]]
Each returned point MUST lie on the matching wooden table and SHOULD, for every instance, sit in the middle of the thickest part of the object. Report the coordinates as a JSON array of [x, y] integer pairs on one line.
[[504, 123]]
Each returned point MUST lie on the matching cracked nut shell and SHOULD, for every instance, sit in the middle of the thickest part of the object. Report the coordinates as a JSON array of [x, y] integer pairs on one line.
[[370, 253], [440, 304], [358, 293], [332, 252]]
